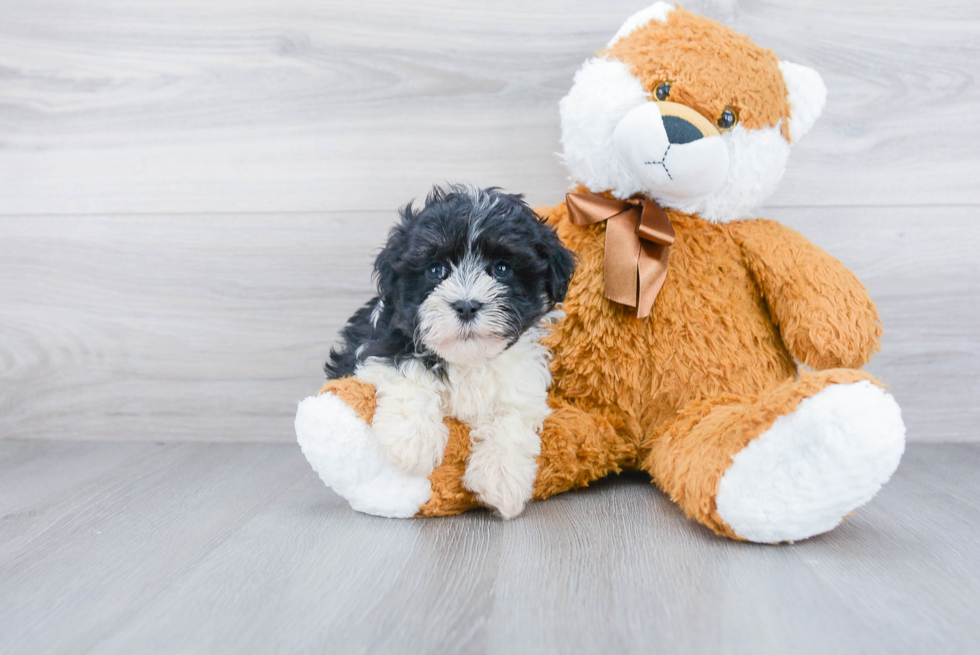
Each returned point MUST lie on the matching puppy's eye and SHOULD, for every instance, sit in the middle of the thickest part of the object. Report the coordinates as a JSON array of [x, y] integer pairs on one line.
[[728, 119], [662, 92], [501, 271], [436, 272]]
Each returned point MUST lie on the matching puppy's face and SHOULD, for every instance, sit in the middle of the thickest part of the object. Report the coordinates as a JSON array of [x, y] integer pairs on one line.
[[468, 273]]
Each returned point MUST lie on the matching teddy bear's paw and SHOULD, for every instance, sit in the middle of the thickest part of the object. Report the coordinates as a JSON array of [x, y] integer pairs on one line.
[[500, 478], [412, 436], [813, 467], [346, 455]]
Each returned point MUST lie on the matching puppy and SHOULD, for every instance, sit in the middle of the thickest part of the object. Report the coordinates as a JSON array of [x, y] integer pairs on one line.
[[466, 288]]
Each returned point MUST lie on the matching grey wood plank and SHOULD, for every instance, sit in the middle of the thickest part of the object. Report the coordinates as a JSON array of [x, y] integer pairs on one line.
[[41, 484], [188, 327], [213, 548], [145, 523], [164, 106], [155, 325]]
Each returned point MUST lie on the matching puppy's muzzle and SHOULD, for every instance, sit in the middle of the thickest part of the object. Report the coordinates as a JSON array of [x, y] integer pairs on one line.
[[467, 310]]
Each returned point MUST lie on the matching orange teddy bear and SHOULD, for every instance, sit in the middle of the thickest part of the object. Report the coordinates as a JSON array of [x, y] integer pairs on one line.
[[685, 320]]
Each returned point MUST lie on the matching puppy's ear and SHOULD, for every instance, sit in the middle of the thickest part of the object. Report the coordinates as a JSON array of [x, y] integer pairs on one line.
[[386, 264], [559, 262]]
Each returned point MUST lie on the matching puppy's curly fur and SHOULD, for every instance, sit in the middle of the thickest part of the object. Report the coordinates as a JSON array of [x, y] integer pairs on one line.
[[458, 227], [466, 285]]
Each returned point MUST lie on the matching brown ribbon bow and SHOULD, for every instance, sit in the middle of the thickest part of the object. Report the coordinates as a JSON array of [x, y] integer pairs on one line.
[[638, 239]]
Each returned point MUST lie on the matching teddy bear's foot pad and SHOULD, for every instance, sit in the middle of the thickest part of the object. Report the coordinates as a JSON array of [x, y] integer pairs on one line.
[[341, 448], [812, 467]]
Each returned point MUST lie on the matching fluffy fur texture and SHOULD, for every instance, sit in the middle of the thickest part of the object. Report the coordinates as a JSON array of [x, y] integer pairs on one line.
[[852, 436], [408, 419], [603, 93], [344, 452], [439, 263], [756, 164], [710, 69], [807, 95], [505, 403], [465, 286], [709, 384]]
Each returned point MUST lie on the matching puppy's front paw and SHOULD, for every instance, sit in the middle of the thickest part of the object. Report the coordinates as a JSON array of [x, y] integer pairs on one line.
[[501, 480], [408, 418], [411, 433]]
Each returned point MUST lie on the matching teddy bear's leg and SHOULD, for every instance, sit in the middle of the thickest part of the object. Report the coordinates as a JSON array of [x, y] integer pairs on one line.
[[785, 465], [334, 433]]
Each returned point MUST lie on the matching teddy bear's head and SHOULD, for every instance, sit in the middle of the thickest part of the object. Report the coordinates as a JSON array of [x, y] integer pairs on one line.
[[688, 112]]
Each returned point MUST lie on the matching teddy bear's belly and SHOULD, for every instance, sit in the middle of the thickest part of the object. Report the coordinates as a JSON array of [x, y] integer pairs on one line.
[[709, 334]]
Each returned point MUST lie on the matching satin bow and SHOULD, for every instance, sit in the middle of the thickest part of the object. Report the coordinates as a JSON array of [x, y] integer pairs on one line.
[[638, 240]]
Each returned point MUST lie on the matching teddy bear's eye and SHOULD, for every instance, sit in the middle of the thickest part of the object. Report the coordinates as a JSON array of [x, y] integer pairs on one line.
[[663, 91], [728, 119]]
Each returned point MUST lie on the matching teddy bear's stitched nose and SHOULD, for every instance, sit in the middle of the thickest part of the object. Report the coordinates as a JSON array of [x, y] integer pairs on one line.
[[680, 131]]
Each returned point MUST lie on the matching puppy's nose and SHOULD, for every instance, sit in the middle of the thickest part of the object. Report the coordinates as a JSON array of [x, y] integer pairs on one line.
[[467, 309], [680, 131]]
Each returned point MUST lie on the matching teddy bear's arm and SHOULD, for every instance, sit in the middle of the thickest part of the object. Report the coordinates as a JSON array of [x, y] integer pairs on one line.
[[824, 313], [577, 447]]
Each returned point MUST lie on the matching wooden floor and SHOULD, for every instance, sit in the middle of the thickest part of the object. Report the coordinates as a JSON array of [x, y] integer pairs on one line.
[[238, 548]]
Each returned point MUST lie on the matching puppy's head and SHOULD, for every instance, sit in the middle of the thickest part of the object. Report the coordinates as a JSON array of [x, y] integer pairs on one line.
[[470, 271]]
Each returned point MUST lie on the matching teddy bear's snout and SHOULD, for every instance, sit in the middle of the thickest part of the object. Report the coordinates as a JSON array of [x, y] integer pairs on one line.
[[674, 152]]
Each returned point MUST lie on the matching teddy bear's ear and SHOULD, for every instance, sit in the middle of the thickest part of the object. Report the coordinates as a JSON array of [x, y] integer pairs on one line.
[[657, 11], [807, 96]]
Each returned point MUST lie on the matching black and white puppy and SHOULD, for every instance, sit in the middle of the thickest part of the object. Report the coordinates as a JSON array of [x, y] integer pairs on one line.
[[466, 287]]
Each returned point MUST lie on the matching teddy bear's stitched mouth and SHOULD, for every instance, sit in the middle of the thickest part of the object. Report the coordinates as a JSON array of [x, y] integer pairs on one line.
[[662, 162]]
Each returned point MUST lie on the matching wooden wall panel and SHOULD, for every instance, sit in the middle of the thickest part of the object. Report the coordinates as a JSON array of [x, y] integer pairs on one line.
[[190, 193], [126, 106], [212, 326]]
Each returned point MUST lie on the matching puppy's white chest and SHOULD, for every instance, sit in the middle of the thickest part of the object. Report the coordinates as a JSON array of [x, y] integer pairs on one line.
[[515, 382], [473, 395], [504, 402]]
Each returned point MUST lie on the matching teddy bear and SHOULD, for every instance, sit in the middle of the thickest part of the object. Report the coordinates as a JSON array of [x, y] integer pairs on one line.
[[717, 352]]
